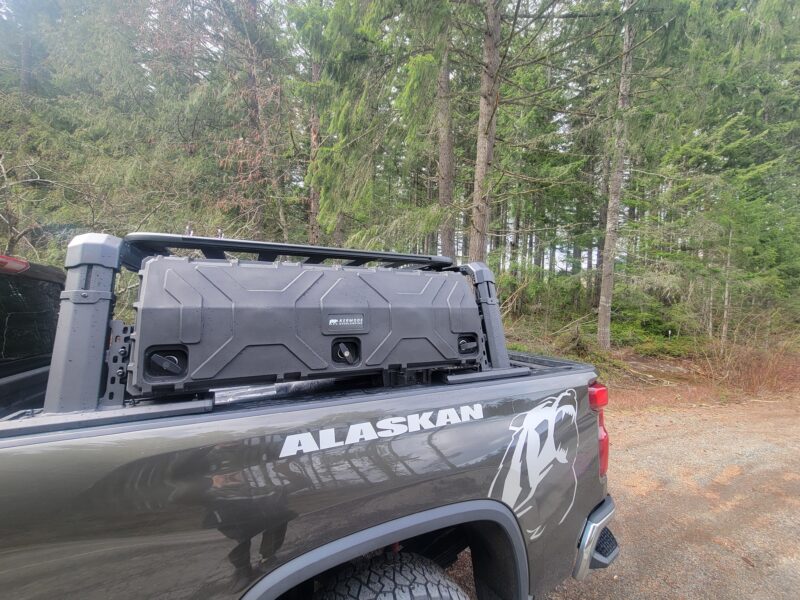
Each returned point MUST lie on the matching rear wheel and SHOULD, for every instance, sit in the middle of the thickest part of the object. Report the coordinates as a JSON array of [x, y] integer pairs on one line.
[[390, 576]]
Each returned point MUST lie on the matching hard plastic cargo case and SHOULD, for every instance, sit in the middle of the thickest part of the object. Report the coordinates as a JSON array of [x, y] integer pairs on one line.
[[201, 321]]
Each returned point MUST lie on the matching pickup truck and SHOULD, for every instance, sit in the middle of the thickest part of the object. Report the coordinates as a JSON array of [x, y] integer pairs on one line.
[[29, 298], [350, 484]]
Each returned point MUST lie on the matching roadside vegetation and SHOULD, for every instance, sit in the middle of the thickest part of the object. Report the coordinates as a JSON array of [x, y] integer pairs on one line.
[[630, 169]]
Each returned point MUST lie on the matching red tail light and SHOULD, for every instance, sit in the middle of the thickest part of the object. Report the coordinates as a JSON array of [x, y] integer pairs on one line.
[[598, 398], [11, 266]]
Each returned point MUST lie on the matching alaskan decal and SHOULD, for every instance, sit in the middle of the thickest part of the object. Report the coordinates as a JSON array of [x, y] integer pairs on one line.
[[544, 442], [334, 437]]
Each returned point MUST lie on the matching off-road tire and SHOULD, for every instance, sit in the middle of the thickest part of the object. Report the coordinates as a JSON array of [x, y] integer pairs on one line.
[[391, 576]]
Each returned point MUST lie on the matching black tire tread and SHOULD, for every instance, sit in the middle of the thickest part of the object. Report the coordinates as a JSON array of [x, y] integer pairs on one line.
[[392, 576]]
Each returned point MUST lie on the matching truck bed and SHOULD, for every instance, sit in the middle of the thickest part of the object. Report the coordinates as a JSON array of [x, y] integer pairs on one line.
[[29, 422], [167, 506]]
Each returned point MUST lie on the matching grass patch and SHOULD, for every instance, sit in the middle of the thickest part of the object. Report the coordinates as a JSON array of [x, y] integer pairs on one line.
[[675, 347]]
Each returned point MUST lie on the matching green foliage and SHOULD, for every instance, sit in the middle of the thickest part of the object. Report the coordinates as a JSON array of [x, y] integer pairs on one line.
[[677, 347], [173, 115]]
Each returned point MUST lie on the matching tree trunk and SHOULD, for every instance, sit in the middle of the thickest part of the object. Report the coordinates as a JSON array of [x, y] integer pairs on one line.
[[726, 297], [615, 187], [338, 231], [313, 191], [282, 222], [499, 241], [633, 242], [589, 275], [516, 251], [539, 258], [710, 314], [539, 214], [446, 166], [577, 259], [487, 122], [529, 254], [602, 224]]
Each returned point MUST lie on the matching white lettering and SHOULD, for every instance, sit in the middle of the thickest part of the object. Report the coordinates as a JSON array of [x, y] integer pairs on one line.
[[423, 421], [447, 416], [470, 413], [298, 442], [360, 432], [303, 443], [392, 426], [327, 439]]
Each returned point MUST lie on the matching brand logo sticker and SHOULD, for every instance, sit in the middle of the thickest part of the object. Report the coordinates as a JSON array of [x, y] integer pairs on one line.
[[349, 321]]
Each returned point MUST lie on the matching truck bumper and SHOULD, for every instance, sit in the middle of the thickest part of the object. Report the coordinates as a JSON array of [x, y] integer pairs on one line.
[[597, 548]]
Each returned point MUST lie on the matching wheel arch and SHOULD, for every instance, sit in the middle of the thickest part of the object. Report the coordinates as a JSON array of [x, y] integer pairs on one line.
[[491, 522]]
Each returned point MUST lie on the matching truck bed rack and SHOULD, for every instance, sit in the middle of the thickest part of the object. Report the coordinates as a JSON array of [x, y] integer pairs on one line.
[[290, 319], [141, 245]]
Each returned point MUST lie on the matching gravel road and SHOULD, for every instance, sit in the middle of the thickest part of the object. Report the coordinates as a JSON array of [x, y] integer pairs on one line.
[[708, 503]]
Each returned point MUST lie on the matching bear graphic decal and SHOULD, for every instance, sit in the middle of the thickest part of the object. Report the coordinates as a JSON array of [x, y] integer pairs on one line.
[[544, 441]]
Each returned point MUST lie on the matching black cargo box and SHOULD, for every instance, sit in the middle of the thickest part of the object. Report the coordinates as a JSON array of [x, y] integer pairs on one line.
[[200, 321]]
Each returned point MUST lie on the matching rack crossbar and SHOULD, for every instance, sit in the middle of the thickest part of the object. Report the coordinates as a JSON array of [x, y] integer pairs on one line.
[[141, 245]]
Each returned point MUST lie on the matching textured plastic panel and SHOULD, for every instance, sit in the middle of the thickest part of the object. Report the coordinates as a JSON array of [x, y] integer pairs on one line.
[[229, 321]]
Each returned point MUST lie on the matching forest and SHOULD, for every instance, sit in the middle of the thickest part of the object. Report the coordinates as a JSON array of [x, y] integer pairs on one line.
[[630, 169]]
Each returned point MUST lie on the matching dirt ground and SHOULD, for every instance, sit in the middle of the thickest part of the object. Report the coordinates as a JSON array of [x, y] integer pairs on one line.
[[708, 497]]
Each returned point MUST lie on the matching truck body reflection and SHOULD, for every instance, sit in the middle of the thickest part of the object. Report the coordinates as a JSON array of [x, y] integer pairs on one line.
[[251, 499]]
